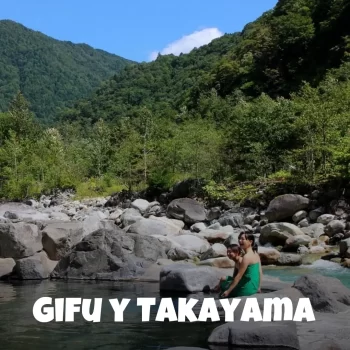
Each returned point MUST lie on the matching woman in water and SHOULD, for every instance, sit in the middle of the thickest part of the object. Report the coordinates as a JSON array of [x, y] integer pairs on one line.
[[247, 281], [234, 252]]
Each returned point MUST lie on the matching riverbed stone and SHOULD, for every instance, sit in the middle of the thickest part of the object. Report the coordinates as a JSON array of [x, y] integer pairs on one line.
[[140, 204], [293, 243], [326, 294], [6, 266], [103, 256], [299, 215], [19, 240], [315, 230], [217, 250], [222, 262], [334, 227], [36, 267], [344, 248], [285, 206], [258, 335], [286, 259], [59, 238], [268, 256], [150, 227], [186, 209], [278, 233], [187, 278], [193, 243]]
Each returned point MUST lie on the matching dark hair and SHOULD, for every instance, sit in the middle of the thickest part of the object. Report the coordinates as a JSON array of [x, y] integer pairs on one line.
[[235, 248], [249, 237]]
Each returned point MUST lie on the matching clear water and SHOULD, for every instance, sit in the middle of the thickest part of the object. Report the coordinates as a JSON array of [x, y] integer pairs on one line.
[[19, 329], [321, 267]]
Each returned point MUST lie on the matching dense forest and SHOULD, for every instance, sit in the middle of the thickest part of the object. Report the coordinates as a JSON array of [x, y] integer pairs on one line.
[[271, 102], [51, 74]]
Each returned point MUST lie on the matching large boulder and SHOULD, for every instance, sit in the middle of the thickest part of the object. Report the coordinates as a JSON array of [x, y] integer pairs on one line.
[[109, 255], [19, 240], [150, 227], [314, 230], [187, 278], [130, 216], [6, 266], [334, 227], [278, 233], [95, 221], [269, 335], [285, 206], [231, 219], [217, 250], [187, 210], [193, 243], [36, 267], [140, 204], [59, 238], [344, 248], [215, 236], [268, 256], [293, 243], [326, 294]]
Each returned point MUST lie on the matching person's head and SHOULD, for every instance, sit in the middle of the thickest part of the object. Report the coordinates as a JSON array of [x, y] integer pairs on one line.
[[247, 241], [234, 252]]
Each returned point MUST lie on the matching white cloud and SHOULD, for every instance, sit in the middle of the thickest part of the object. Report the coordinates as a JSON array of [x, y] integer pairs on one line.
[[188, 42]]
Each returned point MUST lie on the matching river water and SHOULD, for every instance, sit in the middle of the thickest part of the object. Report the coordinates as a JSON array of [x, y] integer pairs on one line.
[[19, 329]]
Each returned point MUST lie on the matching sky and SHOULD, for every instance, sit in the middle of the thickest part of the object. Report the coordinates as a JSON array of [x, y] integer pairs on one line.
[[136, 29]]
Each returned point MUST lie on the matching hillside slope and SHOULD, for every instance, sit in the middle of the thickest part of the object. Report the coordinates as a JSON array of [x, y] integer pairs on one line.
[[298, 40], [50, 73]]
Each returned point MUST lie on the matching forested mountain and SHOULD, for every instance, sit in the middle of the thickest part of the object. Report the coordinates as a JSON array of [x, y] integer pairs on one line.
[[299, 40], [270, 103], [50, 73]]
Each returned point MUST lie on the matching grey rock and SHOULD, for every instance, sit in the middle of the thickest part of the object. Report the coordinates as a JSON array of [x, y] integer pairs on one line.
[[186, 278], [102, 256], [59, 238], [19, 240], [187, 210], [271, 335], [278, 233], [285, 206], [326, 294], [6, 266]]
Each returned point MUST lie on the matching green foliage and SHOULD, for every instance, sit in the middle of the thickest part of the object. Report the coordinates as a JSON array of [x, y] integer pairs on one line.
[[51, 74], [266, 106]]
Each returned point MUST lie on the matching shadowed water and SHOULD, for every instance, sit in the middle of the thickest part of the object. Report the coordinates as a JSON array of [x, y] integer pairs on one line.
[[20, 330]]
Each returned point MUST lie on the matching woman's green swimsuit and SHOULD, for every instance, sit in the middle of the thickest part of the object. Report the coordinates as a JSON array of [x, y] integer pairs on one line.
[[248, 285]]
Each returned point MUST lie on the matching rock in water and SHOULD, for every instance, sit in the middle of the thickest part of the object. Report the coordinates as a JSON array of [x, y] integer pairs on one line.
[[326, 294], [187, 278], [58, 238], [36, 267], [278, 233], [187, 210], [285, 206], [109, 255], [6, 266], [19, 240], [269, 335]]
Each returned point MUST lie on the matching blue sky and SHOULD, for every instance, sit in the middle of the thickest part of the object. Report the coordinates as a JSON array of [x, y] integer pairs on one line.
[[136, 29]]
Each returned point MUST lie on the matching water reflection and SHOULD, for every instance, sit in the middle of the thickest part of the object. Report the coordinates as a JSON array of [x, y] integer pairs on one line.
[[19, 329]]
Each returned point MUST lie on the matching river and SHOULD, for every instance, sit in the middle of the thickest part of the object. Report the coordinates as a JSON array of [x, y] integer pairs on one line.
[[20, 330]]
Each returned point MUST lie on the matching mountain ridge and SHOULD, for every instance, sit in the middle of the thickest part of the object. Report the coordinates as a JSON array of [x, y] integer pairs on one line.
[[50, 73]]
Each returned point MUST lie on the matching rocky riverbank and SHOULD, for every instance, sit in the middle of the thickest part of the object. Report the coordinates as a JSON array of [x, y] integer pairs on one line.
[[182, 246], [118, 238]]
